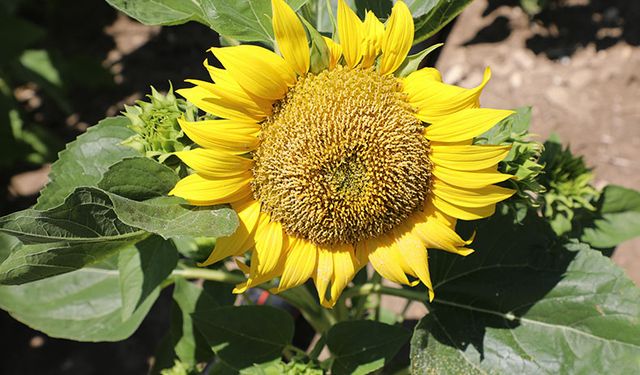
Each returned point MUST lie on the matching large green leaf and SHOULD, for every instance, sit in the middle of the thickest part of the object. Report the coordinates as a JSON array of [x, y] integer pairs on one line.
[[245, 335], [619, 220], [143, 270], [364, 346], [8, 244], [188, 344], [381, 8], [162, 12], [33, 262], [138, 178], [92, 223], [87, 216], [246, 20], [432, 15], [86, 159], [84, 305], [94, 215], [525, 303]]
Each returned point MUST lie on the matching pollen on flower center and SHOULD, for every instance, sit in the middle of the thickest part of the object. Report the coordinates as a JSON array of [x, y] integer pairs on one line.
[[342, 158]]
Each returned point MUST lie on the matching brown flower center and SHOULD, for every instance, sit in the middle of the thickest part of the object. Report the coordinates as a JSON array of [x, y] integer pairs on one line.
[[342, 158]]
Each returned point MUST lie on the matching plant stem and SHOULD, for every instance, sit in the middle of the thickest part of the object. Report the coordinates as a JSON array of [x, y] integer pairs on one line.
[[208, 274], [365, 289], [317, 348]]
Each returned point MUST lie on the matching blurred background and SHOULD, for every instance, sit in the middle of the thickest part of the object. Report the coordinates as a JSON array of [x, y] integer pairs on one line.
[[66, 64]]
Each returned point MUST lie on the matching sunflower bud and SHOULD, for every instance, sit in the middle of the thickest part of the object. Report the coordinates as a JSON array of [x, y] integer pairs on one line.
[[156, 124], [568, 181], [523, 161]]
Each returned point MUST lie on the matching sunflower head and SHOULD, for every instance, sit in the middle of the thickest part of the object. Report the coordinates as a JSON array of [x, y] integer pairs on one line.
[[347, 165]]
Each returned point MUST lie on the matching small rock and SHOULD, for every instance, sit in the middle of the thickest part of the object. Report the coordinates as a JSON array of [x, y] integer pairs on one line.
[[580, 79], [515, 80], [524, 59], [455, 74], [558, 95]]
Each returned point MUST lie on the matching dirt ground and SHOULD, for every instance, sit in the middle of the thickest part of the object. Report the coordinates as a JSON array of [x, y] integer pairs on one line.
[[577, 64]]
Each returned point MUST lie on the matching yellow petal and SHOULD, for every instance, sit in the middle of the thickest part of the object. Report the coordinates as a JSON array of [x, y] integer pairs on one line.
[[435, 99], [385, 258], [202, 191], [398, 38], [242, 239], [228, 85], [344, 269], [257, 70], [467, 158], [234, 98], [350, 30], [235, 136], [414, 83], [256, 278], [215, 163], [470, 179], [436, 234], [270, 242], [299, 264], [464, 213], [465, 124], [290, 36], [372, 40], [335, 52], [474, 198], [323, 273], [206, 101], [415, 254]]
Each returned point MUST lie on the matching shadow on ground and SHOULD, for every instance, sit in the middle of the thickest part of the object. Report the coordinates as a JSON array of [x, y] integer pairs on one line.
[[565, 26]]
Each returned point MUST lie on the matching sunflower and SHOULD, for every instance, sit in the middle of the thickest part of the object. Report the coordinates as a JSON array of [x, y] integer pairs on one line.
[[331, 170]]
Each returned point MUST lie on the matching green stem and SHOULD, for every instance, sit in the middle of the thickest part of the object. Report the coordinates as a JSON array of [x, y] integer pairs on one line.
[[208, 274], [317, 349], [369, 288], [296, 350]]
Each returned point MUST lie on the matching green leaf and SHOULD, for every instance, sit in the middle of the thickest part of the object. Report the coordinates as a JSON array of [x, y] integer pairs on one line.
[[92, 215], [91, 224], [139, 179], [246, 20], [33, 262], [87, 216], [412, 62], [619, 210], [513, 127], [525, 303], [364, 346], [381, 8], [245, 335], [432, 15], [143, 270], [189, 345], [86, 159], [161, 12], [171, 217], [84, 305], [8, 244]]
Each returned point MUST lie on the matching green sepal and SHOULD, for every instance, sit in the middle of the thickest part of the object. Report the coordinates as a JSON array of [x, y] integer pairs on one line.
[[412, 62], [319, 50]]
